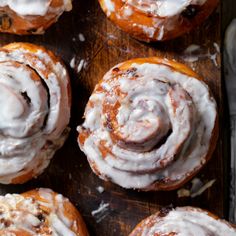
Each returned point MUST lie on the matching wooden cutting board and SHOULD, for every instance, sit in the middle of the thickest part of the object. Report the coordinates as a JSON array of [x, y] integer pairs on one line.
[[105, 46]]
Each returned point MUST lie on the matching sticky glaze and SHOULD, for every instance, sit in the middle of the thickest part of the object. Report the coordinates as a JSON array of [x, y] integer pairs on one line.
[[157, 20], [28, 214], [36, 7], [35, 111], [164, 8], [25, 17], [184, 221], [161, 129]]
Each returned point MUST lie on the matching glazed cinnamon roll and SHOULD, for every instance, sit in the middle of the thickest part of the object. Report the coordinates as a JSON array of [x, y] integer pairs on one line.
[[183, 221], [35, 101], [39, 212], [150, 124], [30, 17], [157, 20]]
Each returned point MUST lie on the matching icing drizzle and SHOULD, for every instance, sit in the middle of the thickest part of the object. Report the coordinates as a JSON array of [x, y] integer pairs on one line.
[[35, 7], [35, 111], [36, 217], [161, 8], [184, 221], [148, 124]]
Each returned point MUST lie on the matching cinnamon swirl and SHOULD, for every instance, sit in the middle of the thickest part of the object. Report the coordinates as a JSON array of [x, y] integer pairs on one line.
[[35, 101], [150, 124]]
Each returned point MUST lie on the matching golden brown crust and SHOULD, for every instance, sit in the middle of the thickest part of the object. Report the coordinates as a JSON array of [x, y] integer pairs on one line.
[[160, 216], [148, 27], [14, 23], [19, 232], [109, 110], [159, 60]]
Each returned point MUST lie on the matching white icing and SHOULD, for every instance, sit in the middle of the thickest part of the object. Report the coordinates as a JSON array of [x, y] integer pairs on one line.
[[144, 117], [161, 33], [110, 6], [27, 7], [194, 53], [59, 227], [35, 7], [100, 189], [197, 188], [128, 11], [17, 119], [217, 47], [80, 65], [163, 8], [81, 37], [102, 207], [101, 212], [203, 188], [33, 128], [155, 28], [185, 222], [22, 213], [192, 49], [72, 63]]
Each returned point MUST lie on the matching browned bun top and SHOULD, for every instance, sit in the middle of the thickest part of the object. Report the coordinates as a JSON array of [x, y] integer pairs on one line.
[[145, 123], [183, 221], [39, 212], [149, 20], [31, 17], [35, 97]]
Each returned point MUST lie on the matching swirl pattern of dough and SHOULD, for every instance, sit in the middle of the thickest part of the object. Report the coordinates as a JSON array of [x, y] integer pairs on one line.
[[39, 212], [150, 124], [35, 110], [30, 17], [183, 221], [157, 20]]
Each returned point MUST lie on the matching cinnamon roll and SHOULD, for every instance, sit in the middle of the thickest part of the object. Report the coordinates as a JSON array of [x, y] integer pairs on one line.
[[183, 221], [30, 17], [39, 212], [35, 101], [150, 124], [157, 20]]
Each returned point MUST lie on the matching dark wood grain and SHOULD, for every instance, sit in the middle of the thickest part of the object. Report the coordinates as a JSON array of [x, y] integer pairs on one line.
[[104, 47]]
